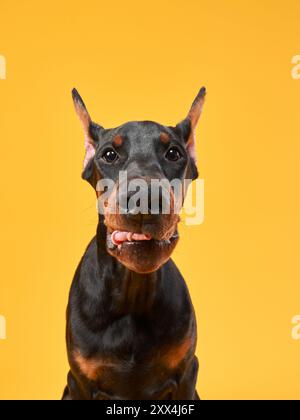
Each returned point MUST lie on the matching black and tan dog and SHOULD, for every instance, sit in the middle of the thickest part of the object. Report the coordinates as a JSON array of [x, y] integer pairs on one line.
[[131, 327]]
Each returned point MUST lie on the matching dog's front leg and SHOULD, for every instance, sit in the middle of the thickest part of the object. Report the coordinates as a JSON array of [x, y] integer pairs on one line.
[[74, 391], [187, 386]]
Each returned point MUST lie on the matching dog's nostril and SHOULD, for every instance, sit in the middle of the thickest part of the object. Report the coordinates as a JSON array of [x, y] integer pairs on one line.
[[134, 207], [159, 204], [151, 203], [129, 206]]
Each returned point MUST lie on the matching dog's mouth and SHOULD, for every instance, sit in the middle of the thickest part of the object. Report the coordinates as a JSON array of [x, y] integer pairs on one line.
[[118, 238], [141, 252]]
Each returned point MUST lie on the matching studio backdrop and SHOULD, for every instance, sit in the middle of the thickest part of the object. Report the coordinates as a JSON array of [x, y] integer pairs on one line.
[[134, 60]]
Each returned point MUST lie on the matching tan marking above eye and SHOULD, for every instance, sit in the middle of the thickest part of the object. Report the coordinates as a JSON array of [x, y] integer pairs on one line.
[[118, 141], [165, 138]]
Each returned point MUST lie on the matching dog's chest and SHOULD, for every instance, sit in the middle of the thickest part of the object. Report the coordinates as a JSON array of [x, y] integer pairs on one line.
[[167, 357], [130, 353], [149, 376]]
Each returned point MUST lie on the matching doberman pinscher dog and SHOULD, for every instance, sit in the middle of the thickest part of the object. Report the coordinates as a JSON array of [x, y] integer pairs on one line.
[[131, 326]]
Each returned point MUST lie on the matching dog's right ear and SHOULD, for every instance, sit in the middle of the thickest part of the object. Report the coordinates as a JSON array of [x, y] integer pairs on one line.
[[90, 129]]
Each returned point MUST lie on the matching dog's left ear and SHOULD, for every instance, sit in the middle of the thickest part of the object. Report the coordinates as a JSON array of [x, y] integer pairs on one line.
[[187, 128]]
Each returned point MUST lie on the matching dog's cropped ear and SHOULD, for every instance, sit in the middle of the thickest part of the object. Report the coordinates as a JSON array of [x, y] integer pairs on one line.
[[90, 129], [187, 128]]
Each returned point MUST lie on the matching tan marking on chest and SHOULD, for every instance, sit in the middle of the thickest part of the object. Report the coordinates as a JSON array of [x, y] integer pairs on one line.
[[175, 355], [91, 367]]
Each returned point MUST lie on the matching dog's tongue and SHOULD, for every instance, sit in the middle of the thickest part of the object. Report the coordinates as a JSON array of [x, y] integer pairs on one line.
[[118, 238]]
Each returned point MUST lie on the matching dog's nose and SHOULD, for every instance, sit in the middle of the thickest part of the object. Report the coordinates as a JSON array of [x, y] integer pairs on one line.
[[127, 205], [145, 201]]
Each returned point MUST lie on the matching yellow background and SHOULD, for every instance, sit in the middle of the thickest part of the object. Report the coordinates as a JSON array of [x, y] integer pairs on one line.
[[146, 60]]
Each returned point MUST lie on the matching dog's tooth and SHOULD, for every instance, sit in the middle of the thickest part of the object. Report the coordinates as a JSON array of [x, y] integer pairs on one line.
[[129, 237]]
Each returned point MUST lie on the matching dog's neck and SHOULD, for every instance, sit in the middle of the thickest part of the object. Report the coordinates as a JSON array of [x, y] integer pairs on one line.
[[130, 292], [135, 293]]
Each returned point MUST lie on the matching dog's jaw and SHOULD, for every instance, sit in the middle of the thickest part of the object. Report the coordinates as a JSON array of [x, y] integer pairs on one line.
[[144, 256]]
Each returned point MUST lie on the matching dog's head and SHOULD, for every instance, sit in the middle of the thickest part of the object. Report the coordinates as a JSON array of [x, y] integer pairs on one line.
[[136, 170]]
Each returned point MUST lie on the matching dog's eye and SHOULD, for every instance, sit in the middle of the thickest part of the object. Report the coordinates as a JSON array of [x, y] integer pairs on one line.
[[110, 156], [174, 154]]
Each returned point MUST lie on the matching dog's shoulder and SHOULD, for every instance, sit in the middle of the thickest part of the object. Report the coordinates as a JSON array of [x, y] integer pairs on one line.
[[174, 285]]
